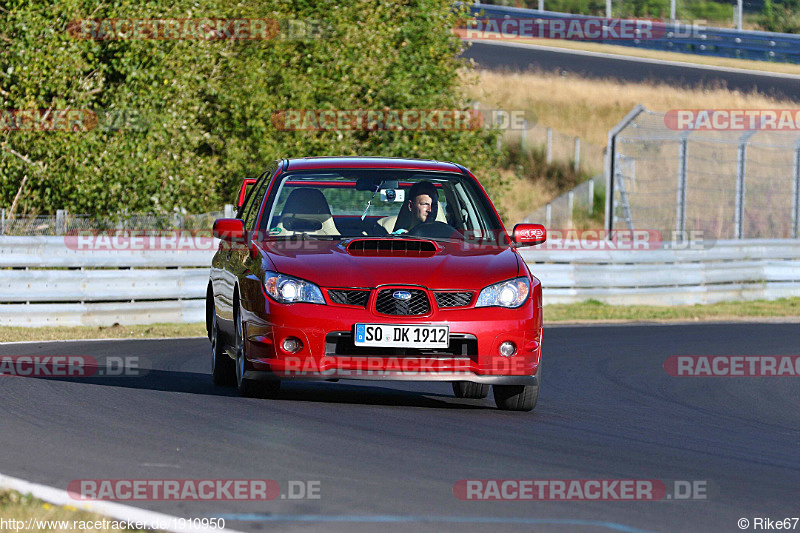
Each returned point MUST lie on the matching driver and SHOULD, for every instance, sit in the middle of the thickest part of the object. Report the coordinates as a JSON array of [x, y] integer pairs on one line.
[[422, 206]]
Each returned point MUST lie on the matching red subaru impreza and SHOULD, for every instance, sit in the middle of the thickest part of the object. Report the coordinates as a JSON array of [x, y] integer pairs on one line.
[[374, 268]]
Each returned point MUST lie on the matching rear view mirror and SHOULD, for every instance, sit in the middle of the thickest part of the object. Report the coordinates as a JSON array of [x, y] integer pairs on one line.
[[368, 184], [229, 229], [529, 234]]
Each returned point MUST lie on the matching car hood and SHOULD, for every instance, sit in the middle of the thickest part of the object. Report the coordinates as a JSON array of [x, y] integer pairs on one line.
[[453, 265]]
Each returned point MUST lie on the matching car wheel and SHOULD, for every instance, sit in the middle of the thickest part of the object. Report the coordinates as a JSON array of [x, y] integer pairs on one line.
[[248, 387], [518, 397], [222, 366], [468, 389]]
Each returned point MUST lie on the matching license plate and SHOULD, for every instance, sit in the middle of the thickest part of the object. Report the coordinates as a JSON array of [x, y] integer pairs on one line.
[[402, 336]]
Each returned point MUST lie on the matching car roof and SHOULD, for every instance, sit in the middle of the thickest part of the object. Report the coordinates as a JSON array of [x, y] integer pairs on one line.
[[314, 163]]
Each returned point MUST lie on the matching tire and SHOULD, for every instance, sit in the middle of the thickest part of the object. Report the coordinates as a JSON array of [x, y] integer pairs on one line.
[[223, 370], [248, 387], [468, 389], [518, 397]]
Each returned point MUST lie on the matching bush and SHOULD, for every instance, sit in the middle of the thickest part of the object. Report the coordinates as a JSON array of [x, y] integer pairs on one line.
[[202, 108]]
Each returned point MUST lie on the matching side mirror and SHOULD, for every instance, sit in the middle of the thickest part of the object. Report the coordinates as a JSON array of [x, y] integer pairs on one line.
[[529, 234], [229, 230], [249, 182]]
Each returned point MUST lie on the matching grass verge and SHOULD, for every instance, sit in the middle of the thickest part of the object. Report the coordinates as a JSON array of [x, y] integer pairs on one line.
[[592, 310], [18, 507], [588, 108], [152, 331]]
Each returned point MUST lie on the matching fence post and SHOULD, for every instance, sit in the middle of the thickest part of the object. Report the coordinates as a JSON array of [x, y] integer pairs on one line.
[[61, 221], [3, 222], [577, 153], [522, 137], [570, 206], [229, 212], [610, 157], [680, 209], [549, 156], [548, 214], [591, 196], [796, 192], [741, 166]]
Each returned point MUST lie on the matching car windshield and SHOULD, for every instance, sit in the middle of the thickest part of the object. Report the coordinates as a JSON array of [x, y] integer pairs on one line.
[[335, 204]]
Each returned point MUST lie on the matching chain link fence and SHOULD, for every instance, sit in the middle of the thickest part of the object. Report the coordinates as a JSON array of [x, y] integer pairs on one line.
[[64, 222], [579, 208], [559, 146], [725, 184]]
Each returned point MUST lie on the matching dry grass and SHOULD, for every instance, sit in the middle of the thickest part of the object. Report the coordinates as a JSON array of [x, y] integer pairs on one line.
[[589, 108], [784, 309], [153, 331], [15, 506], [516, 201]]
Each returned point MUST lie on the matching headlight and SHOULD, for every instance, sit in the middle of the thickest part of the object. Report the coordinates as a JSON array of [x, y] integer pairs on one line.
[[288, 290], [511, 293]]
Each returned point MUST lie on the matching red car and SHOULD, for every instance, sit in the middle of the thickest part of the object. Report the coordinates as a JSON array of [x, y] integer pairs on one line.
[[374, 268]]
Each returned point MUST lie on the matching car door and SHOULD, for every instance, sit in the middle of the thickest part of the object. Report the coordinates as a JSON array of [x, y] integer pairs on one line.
[[229, 265]]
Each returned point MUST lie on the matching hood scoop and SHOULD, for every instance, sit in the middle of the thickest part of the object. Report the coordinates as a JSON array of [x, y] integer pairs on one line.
[[391, 248]]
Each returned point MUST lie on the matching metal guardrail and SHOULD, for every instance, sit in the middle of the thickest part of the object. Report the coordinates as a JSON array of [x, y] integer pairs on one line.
[[730, 270], [43, 282], [700, 40], [97, 289]]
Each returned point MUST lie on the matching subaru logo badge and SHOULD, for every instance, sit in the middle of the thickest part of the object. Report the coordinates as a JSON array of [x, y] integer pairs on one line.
[[402, 295]]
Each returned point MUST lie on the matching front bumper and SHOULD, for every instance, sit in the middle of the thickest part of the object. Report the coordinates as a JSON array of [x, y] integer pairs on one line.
[[266, 324]]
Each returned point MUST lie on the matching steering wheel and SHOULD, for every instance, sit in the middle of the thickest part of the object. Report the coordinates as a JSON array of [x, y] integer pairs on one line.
[[374, 230], [435, 230]]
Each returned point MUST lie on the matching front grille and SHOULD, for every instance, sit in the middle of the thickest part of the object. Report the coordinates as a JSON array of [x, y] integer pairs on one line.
[[453, 299], [341, 343], [349, 297], [387, 304]]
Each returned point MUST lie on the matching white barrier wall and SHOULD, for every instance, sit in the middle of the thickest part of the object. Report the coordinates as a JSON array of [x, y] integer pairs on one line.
[[42, 282]]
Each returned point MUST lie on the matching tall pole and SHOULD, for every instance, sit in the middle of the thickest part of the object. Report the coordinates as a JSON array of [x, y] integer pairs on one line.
[[739, 16], [673, 10], [608, 9]]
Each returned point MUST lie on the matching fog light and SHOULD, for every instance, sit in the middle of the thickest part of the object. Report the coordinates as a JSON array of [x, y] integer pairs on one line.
[[292, 344], [508, 348]]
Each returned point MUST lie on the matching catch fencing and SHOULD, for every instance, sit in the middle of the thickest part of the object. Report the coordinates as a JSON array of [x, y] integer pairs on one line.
[[82, 287], [64, 222], [575, 208], [722, 184]]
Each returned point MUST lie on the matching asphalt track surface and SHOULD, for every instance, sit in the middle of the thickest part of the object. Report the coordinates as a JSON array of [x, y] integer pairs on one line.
[[522, 58], [387, 455]]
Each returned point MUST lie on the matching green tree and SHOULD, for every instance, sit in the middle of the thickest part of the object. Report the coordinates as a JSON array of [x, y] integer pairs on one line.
[[196, 113]]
